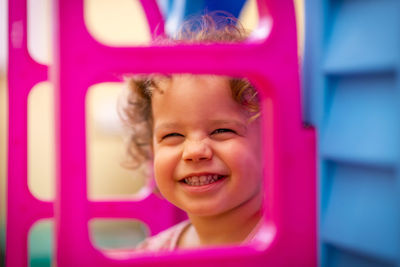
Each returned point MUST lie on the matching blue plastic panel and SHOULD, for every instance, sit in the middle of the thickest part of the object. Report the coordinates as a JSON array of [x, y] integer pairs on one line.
[[177, 11], [361, 119], [199, 6], [345, 258], [361, 210], [352, 96], [363, 36]]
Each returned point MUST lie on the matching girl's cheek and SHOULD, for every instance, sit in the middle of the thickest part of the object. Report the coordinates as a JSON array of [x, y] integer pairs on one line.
[[164, 158]]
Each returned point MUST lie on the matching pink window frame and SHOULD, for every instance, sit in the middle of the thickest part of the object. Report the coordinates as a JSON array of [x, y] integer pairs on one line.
[[80, 61]]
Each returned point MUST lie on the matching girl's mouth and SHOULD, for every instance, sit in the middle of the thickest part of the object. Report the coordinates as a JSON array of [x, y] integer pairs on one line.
[[202, 179]]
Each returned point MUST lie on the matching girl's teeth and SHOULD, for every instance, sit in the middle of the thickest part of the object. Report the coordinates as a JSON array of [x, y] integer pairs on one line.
[[201, 180]]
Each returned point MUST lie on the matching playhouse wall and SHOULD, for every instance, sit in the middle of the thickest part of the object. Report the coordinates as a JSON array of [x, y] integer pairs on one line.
[[352, 95]]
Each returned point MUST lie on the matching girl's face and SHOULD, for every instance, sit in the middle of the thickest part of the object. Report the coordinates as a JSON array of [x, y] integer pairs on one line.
[[207, 156]]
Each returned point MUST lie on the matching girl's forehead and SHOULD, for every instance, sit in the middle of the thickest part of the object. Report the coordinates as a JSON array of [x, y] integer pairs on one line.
[[210, 92], [165, 82], [196, 98], [187, 90]]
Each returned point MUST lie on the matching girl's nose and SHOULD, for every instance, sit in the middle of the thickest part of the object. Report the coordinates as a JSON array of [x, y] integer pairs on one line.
[[197, 151]]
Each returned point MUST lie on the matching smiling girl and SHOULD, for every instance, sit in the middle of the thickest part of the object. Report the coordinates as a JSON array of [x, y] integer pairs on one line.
[[203, 135]]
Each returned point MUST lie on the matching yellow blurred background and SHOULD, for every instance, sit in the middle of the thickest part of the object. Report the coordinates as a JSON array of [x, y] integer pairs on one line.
[[116, 23]]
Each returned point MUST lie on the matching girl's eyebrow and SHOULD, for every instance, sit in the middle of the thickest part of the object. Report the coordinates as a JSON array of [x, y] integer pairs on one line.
[[230, 122], [214, 123], [167, 125]]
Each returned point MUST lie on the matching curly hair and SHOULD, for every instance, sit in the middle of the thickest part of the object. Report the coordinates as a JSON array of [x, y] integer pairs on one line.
[[137, 111]]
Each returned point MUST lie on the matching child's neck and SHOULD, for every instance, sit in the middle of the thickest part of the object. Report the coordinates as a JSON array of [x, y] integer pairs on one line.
[[230, 228]]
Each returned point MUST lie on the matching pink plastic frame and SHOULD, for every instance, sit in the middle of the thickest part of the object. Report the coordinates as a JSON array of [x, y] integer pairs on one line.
[[80, 61]]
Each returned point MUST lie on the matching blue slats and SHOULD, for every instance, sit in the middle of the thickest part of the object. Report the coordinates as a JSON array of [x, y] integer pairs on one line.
[[348, 258], [360, 119], [361, 210], [352, 96], [362, 36]]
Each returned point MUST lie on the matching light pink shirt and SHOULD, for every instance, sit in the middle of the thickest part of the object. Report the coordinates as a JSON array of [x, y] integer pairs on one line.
[[167, 240]]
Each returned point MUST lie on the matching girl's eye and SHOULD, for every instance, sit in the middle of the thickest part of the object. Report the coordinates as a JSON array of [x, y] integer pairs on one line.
[[170, 135], [223, 130]]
